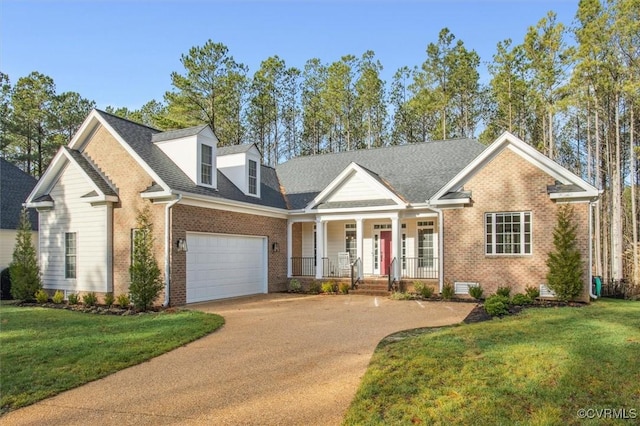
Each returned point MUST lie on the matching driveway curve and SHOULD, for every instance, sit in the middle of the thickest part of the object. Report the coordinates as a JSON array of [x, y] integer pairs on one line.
[[279, 360]]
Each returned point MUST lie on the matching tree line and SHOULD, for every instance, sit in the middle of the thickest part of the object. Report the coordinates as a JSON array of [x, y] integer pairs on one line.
[[570, 91]]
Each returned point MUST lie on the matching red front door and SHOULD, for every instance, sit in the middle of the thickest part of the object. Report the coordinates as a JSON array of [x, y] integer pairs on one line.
[[385, 252]]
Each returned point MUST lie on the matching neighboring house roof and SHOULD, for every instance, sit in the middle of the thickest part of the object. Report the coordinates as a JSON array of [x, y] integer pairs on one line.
[[139, 138], [15, 187], [415, 172]]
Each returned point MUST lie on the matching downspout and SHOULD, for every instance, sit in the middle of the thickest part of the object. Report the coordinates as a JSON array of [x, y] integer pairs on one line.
[[593, 296], [167, 248], [441, 248]]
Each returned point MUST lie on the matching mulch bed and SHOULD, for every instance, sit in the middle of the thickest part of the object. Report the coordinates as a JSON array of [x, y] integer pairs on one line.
[[479, 314], [97, 309]]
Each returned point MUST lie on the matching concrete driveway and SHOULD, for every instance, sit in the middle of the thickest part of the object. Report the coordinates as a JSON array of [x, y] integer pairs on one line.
[[280, 359]]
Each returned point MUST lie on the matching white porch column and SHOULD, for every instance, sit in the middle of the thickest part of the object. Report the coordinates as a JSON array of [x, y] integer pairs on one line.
[[289, 247], [396, 247], [319, 248], [359, 243]]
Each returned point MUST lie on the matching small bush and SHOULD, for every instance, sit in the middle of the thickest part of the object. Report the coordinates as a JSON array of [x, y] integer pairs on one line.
[[532, 291], [314, 287], [344, 288], [504, 291], [476, 291], [90, 299], [72, 298], [123, 300], [5, 284], [521, 299], [496, 305], [423, 289], [295, 286], [328, 287], [448, 291], [401, 295], [58, 297], [42, 296], [109, 299]]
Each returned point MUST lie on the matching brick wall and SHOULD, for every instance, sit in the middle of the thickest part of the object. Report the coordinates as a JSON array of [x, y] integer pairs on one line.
[[507, 184], [199, 219], [129, 179]]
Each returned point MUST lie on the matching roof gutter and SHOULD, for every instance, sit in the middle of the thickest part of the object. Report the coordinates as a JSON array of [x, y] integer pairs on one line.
[[167, 248]]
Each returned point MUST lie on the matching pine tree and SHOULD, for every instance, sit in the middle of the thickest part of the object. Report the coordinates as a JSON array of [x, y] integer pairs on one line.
[[24, 270], [146, 282], [565, 263]]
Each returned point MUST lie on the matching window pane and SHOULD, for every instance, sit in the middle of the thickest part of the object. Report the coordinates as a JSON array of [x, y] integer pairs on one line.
[[253, 177], [206, 167], [70, 255]]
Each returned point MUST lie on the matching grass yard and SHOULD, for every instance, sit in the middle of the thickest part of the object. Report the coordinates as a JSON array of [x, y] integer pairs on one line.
[[46, 351], [540, 367]]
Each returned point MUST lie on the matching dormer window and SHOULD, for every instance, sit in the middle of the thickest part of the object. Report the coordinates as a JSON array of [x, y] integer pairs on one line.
[[253, 177], [206, 164]]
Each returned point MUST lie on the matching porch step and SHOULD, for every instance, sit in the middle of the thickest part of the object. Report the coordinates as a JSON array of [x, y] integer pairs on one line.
[[372, 288]]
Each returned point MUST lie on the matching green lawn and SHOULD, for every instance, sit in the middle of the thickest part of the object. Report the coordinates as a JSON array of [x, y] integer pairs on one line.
[[46, 351], [539, 367]]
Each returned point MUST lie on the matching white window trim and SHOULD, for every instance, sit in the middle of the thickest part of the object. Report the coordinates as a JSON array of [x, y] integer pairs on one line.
[[75, 256], [257, 177], [351, 227], [522, 234], [201, 163]]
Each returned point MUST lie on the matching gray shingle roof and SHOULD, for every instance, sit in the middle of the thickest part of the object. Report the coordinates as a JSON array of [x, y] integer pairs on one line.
[[234, 149], [15, 187], [415, 172], [139, 138], [176, 134], [91, 172]]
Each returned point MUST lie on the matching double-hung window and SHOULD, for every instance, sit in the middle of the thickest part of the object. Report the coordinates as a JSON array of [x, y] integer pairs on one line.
[[350, 245], [508, 233], [253, 177], [206, 164], [70, 251]]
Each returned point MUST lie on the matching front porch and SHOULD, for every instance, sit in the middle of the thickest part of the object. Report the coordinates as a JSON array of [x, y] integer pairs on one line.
[[398, 249]]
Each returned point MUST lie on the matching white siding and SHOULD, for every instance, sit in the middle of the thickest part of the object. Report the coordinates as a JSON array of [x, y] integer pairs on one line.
[[335, 239], [72, 214], [355, 188]]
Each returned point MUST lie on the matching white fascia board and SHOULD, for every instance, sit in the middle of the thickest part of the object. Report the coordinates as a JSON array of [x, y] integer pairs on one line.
[[529, 153], [100, 199], [355, 209], [363, 216], [156, 195], [461, 202], [87, 128], [40, 205], [230, 205], [345, 174]]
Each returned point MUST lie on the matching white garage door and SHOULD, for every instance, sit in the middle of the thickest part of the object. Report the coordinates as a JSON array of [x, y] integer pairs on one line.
[[220, 266]]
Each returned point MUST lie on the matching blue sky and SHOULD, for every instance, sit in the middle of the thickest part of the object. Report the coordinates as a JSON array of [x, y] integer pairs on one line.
[[121, 53]]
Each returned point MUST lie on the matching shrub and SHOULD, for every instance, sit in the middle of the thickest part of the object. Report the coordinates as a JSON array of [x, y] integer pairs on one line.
[[532, 291], [146, 282], [476, 291], [5, 284], [314, 287], [295, 286], [448, 291], [90, 299], [109, 299], [521, 299], [496, 305], [123, 300], [401, 295], [423, 289], [565, 262], [58, 297], [504, 291], [42, 296], [24, 270], [72, 298], [344, 288], [328, 287]]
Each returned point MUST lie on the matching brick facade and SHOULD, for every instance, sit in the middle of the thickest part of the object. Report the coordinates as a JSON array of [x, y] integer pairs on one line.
[[508, 183], [185, 218], [129, 179]]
